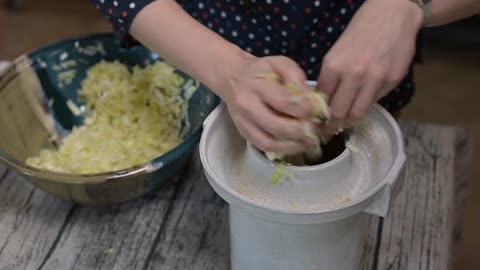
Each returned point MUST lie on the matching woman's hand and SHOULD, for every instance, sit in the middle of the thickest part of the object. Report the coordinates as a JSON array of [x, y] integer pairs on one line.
[[264, 111], [370, 58]]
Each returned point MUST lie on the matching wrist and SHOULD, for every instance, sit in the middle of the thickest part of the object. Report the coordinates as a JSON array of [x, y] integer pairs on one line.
[[410, 13], [426, 7], [228, 69], [413, 12]]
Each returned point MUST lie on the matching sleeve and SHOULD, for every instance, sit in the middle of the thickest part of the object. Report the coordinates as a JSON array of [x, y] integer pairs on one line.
[[121, 14]]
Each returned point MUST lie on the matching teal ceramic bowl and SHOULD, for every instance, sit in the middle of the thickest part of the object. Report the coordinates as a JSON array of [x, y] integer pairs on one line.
[[28, 120]]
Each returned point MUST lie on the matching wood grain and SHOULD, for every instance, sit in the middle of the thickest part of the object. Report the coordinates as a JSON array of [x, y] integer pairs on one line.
[[116, 237], [463, 170], [31, 222], [185, 224], [418, 234], [196, 235], [370, 250]]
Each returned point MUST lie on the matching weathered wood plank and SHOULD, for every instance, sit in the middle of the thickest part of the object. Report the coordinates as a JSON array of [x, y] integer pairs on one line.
[[3, 65], [116, 237], [196, 235], [31, 222], [418, 234], [370, 249], [3, 172], [185, 226], [463, 168]]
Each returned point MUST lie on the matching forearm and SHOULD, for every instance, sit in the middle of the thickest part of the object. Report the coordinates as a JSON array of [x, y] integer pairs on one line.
[[168, 30], [447, 11]]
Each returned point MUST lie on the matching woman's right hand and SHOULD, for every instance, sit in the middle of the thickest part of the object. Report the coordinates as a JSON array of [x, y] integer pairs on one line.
[[264, 111]]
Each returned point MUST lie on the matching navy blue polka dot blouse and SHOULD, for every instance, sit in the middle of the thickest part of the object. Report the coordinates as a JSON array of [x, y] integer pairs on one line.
[[303, 30]]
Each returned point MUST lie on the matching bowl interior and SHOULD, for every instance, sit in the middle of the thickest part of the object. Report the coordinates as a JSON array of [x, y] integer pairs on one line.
[[36, 89]]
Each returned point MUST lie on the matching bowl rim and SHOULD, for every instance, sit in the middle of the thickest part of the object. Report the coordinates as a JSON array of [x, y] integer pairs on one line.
[[96, 178], [73, 39]]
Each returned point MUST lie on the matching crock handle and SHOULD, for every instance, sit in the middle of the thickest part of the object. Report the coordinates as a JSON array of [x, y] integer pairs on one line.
[[382, 201]]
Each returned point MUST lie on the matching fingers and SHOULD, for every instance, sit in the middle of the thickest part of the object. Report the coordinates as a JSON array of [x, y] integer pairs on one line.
[[341, 103], [365, 98], [288, 69], [328, 79], [280, 99], [274, 131], [270, 106], [352, 90], [265, 141], [278, 126]]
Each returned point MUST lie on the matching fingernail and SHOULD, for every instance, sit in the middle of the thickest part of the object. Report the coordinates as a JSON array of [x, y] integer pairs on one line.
[[309, 142], [316, 121], [294, 89], [268, 76], [297, 100]]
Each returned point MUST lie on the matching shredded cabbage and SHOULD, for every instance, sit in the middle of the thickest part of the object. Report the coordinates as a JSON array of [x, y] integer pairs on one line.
[[281, 172], [321, 113], [132, 117]]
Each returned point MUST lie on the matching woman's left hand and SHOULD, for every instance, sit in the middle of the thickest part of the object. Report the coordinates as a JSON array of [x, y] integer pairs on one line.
[[369, 59]]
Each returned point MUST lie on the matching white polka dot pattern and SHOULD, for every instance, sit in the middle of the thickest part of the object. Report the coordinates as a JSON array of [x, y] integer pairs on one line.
[[301, 30]]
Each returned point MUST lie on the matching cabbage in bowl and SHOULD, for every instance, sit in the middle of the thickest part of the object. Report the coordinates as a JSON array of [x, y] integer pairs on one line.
[[132, 116]]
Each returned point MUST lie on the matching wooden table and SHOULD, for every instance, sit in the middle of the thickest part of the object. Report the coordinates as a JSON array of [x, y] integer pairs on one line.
[[185, 225]]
